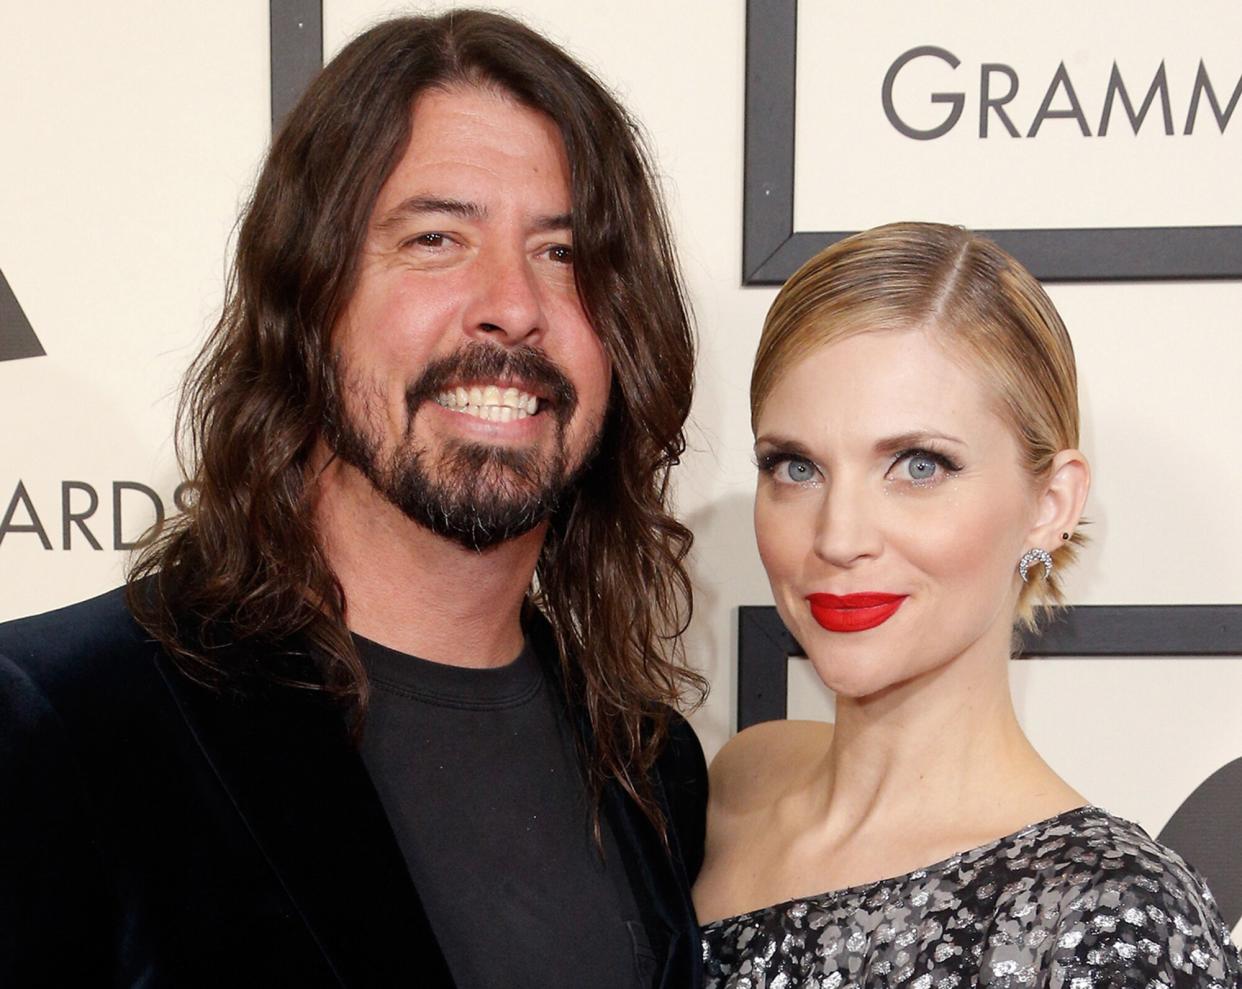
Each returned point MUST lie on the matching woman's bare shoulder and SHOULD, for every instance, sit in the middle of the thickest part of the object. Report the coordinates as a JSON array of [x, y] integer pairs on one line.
[[752, 778], [763, 761]]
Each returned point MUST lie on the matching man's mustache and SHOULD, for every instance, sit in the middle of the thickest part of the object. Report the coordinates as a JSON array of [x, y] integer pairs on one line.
[[526, 366]]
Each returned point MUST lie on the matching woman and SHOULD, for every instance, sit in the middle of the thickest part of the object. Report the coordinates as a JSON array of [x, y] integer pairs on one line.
[[920, 491]]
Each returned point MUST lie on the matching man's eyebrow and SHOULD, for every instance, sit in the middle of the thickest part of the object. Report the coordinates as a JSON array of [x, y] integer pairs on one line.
[[420, 205], [561, 221], [417, 206]]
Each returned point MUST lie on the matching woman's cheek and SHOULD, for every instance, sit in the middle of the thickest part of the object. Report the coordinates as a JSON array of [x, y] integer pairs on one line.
[[965, 537], [784, 534], [784, 542]]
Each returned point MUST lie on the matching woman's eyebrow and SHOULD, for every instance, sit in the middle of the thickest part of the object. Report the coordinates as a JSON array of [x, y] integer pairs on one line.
[[784, 444], [914, 438], [888, 445]]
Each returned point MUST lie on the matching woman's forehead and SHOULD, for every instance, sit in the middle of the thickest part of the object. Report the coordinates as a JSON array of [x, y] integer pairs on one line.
[[904, 371], [857, 395]]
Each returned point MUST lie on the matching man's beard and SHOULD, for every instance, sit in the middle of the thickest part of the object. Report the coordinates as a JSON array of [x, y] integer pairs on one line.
[[476, 494]]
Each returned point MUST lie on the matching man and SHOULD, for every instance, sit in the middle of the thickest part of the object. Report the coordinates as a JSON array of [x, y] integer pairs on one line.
[[430, 433]]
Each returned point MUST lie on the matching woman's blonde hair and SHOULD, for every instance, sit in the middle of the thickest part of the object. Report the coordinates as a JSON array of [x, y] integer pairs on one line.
[[981, 301]]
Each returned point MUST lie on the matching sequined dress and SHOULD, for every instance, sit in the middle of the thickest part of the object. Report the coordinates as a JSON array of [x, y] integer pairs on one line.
[[1083, 900]]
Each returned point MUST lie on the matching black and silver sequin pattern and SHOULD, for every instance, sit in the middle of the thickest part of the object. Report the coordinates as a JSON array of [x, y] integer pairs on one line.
[[1083, 900]]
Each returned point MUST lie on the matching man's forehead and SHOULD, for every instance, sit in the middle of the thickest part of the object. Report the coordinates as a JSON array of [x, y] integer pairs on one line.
[[469, 145]]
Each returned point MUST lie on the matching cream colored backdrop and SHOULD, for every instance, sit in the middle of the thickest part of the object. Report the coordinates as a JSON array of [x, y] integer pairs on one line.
[[133, 130]]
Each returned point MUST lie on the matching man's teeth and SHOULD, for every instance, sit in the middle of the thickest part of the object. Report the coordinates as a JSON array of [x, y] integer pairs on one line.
[[490, 402]]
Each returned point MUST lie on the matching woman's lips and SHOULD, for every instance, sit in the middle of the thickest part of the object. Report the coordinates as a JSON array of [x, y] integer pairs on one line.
[[853, 612]]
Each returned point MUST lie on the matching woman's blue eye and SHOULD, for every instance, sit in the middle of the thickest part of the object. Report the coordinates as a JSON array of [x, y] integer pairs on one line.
[[921, 467], [799, 471], [788, 468]]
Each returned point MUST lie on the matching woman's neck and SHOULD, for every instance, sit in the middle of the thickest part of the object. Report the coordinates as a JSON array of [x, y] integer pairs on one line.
[[930, 767]]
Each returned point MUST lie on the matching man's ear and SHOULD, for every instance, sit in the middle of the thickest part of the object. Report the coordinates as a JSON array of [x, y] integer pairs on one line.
[[1061, 501]]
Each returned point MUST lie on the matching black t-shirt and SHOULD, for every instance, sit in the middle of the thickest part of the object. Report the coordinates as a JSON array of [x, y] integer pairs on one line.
[[480, 776]]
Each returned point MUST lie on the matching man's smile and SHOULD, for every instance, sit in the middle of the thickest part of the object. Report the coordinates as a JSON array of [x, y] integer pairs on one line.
[[495, 403]]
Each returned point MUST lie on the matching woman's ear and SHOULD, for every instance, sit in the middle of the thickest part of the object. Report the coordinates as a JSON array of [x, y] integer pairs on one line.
[[1061, 501]]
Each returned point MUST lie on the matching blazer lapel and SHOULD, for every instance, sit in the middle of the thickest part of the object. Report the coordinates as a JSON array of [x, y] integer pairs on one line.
[[659, 886], [657, 874], [300, 786]]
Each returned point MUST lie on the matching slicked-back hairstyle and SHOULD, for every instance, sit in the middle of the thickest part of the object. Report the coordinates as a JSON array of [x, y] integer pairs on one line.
[[973, 296], [244, 563]]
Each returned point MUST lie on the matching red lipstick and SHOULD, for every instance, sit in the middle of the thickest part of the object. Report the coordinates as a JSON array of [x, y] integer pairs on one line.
[[853, 612]]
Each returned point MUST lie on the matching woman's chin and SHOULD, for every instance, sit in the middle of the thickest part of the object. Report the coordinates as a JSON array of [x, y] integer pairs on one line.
[[850, 679]]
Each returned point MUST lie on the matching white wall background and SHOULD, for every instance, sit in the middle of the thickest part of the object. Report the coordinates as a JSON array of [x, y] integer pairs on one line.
[[133, 130]]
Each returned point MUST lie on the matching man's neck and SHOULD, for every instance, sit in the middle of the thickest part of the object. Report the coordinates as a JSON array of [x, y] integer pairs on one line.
[[414, 591]]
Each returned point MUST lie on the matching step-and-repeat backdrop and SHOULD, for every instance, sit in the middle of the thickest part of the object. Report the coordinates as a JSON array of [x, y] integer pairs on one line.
[[1101, 142]]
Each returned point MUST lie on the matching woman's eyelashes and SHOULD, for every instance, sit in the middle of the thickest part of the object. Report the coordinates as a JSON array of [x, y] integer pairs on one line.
[[921, 468], [787, 468]]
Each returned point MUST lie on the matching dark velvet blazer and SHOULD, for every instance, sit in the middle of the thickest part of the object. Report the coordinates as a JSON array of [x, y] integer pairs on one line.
[[154, 833]]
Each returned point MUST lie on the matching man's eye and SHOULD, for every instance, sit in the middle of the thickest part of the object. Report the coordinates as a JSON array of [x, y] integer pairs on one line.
[[561, 253], [432, 240]]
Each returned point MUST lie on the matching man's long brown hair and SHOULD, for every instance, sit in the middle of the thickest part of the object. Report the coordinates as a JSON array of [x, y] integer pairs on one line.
[[244, 564]]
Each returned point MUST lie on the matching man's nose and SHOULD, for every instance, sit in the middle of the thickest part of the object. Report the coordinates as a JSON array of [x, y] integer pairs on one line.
[[507, 307], [847, 529]]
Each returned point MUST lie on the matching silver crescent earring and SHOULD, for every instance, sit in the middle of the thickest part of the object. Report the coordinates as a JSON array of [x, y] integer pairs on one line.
[[1030, 558]]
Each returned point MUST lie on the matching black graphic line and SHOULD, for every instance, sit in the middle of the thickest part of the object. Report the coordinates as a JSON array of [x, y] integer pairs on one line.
[[17, 337], [296, 51], [1205, 830]]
